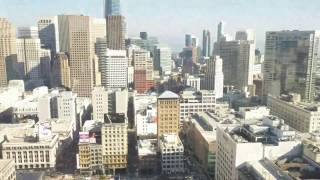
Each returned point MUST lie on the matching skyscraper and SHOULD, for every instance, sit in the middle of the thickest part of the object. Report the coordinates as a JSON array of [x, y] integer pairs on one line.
[[74, 38], [48, 33], [97, 30], [29, 52], [143, 70], [189, 58], [206, 43], [238, 62], [61, 71], [112, 8], [7, 50], [116, 32], [113, 68], [290, 60], [162, 59], [168, 113], [213, 79], [188, 40]]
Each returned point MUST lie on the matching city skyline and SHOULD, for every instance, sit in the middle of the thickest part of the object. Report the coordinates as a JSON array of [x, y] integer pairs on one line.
[[178, 15]]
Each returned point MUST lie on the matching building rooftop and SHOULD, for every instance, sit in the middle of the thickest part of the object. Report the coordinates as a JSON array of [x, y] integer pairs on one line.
[[168, 95], [263, 169], [170, 140], [269, 130], [299, 168], [115, 118], [147, 147]]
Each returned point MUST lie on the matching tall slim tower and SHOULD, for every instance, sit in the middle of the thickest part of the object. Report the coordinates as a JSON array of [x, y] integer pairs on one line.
[[74, 37], [7, 49], [220, 33], [206, 43], [290, 61]]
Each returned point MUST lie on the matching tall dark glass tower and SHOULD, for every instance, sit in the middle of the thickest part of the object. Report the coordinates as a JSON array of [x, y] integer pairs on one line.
[[206, 43], [112, 8]]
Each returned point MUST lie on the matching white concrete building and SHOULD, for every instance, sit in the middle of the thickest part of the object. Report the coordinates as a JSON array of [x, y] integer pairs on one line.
[[7, 169], [99, 103], [193, 102], [66, 107], [269, 139], [249, 113], [145, 113], [172, 154], [23, 145], [304, 117], [11, 95], [113, 68], [118, 101], [192, 81], [146, 121]]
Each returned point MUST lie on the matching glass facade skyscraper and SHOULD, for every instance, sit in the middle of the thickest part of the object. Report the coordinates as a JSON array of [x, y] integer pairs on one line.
[[112, 8]]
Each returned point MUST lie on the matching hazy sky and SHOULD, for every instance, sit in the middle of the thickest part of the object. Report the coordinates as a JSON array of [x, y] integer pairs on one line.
[[171, 19]]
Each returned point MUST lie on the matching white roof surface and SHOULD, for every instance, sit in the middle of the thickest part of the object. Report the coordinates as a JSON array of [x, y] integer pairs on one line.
[[168, 95]]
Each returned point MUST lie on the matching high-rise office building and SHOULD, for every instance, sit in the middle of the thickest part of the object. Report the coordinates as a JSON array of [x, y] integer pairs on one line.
[[48, 33], [246, 35], [112, 8], [206, 43], [74, 37], [189, 58], [188, 40], [61, 71], [116, 32], [113, 68], [143, 70], [238, 62], [162, 59], [213, 79], [29, 52], [290, 60], [7, 50], [97, 30], [168, 113]]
